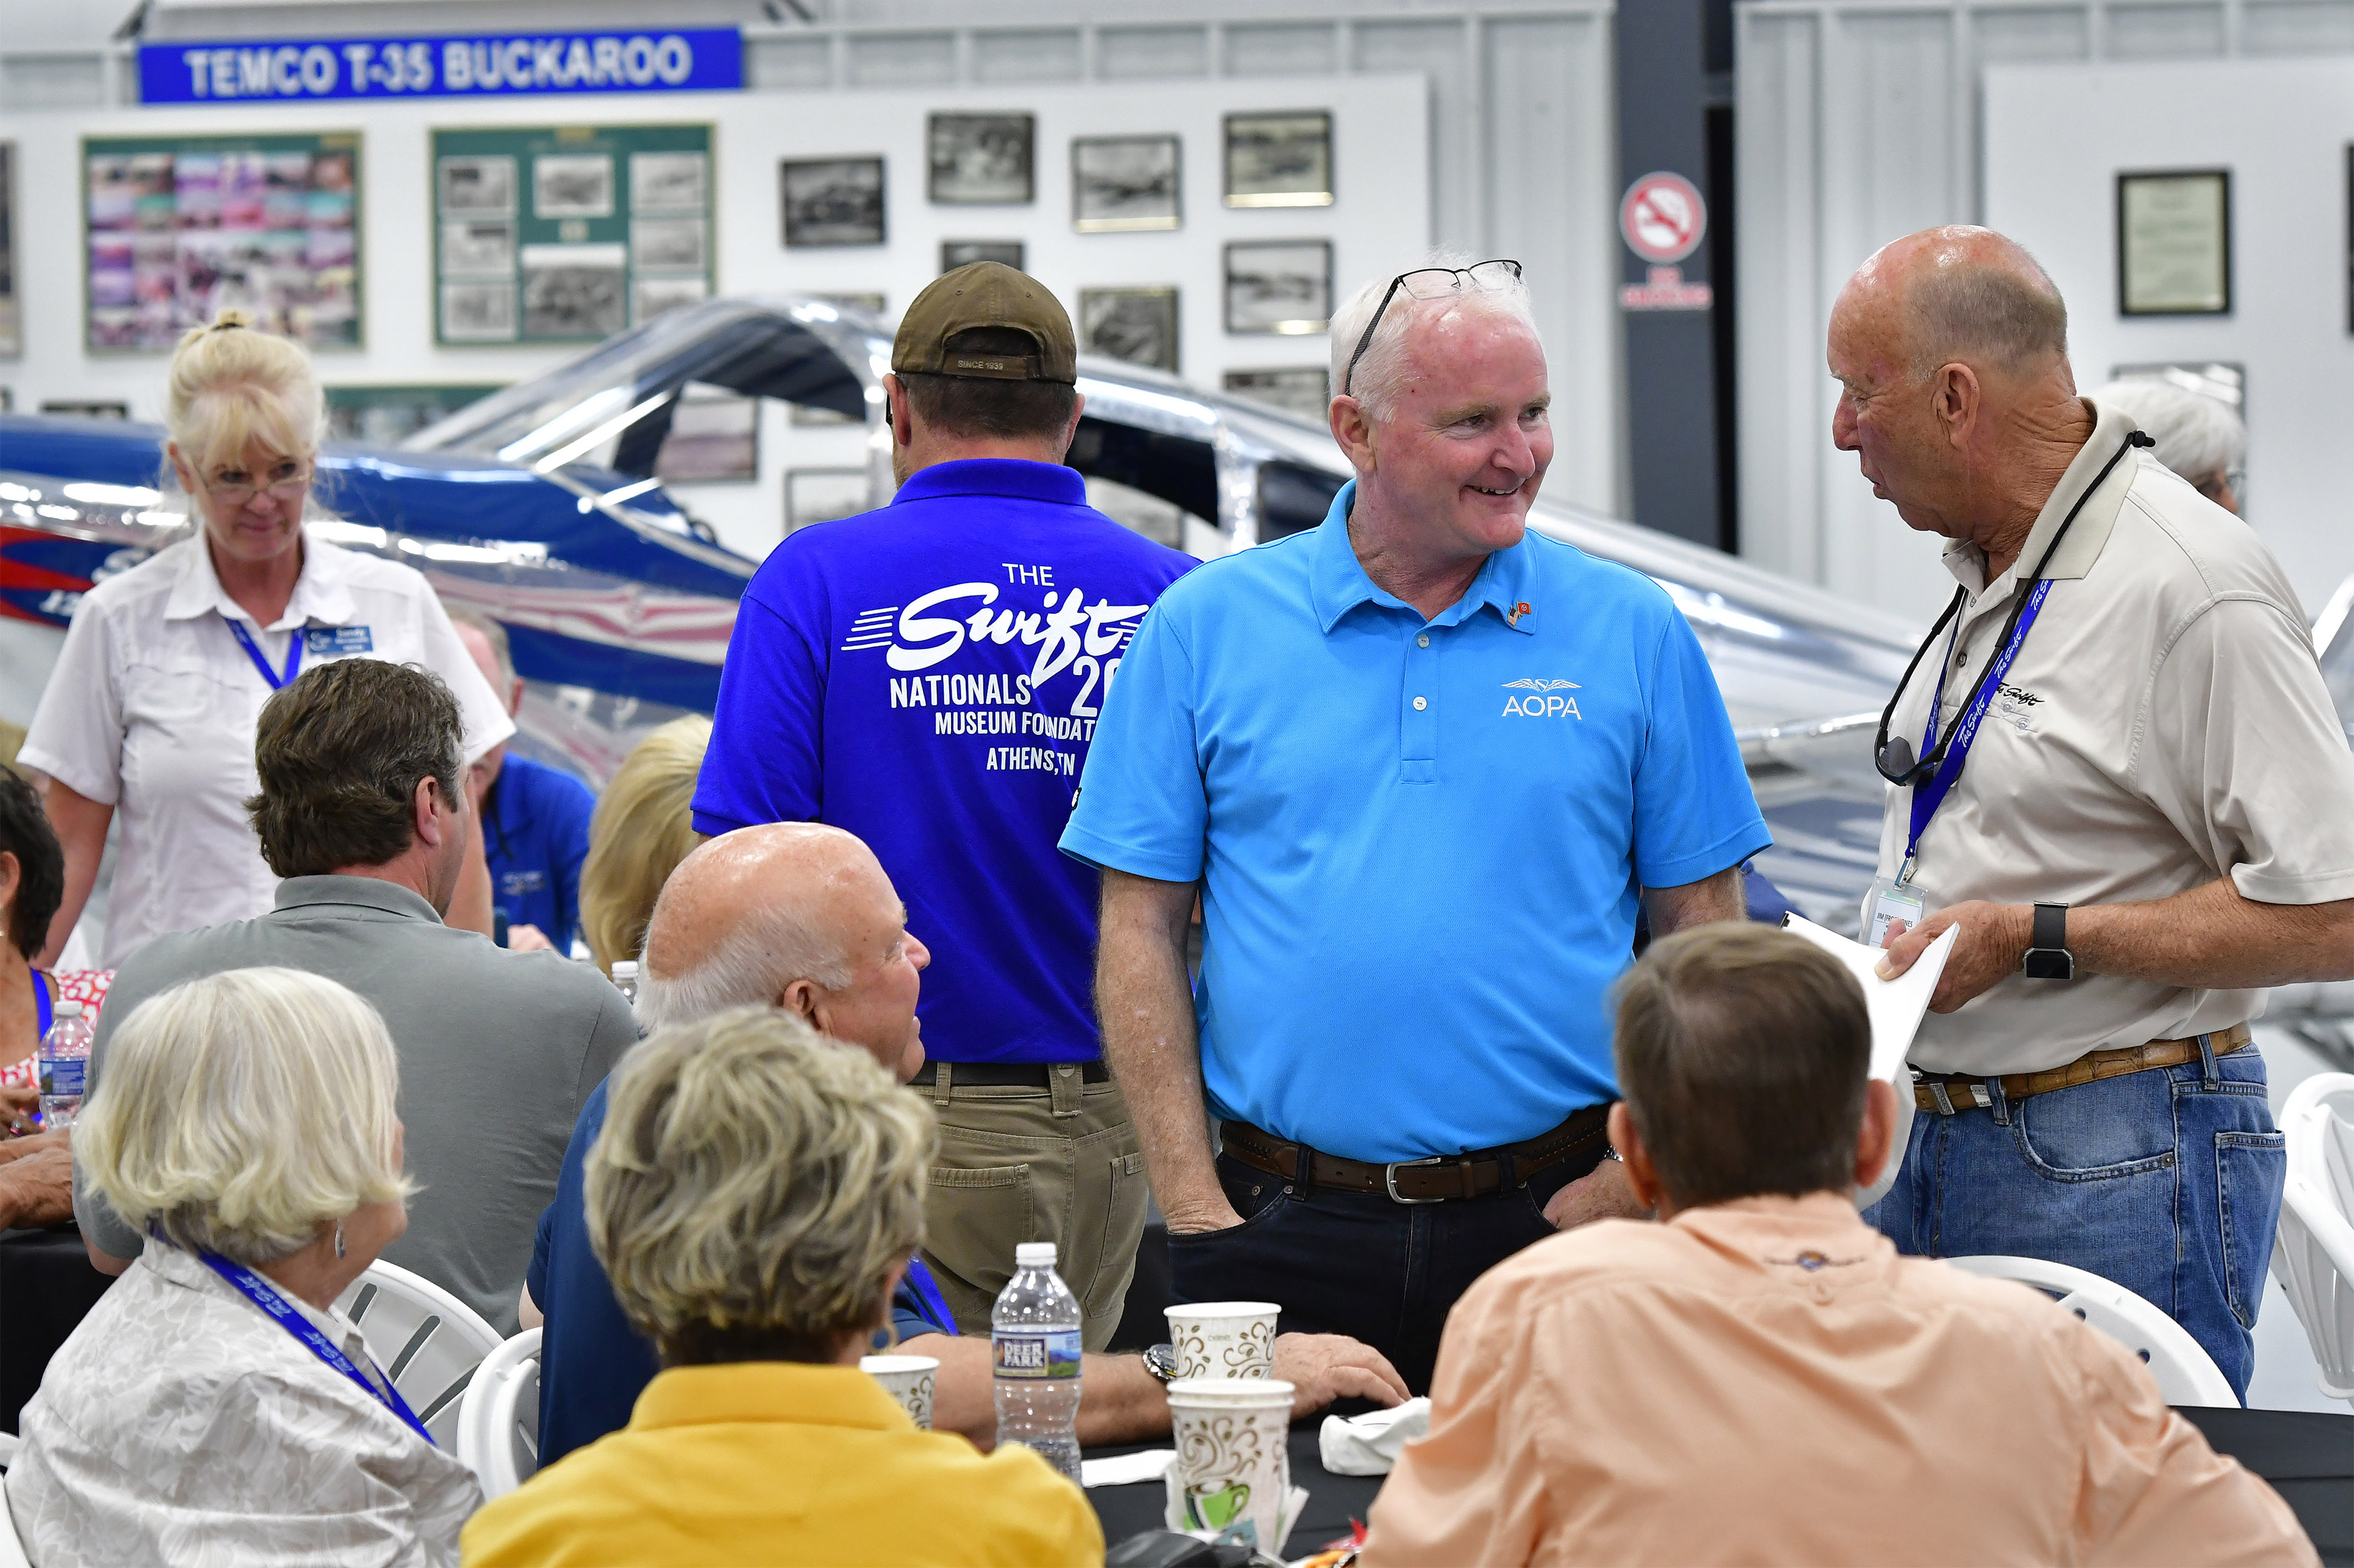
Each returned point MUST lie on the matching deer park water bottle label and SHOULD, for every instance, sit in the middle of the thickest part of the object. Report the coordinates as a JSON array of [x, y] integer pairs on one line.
[[1040, 1355]]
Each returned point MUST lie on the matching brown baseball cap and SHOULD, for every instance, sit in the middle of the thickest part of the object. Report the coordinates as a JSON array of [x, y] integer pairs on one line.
[[987, 294]]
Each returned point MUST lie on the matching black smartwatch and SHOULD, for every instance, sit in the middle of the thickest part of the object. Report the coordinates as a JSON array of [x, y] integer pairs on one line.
[[2048, 956]]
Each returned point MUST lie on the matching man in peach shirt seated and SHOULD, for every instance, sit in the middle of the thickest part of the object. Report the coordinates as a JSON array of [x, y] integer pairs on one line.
[[1760, 1378]]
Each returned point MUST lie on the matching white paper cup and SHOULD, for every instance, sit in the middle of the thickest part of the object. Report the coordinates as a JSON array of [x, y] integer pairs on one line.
[[909, 1380], [1232, 1469], [1225, 1339]]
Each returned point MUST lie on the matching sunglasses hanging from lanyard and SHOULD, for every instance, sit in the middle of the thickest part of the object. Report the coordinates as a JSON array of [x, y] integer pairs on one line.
[[1893, 757]]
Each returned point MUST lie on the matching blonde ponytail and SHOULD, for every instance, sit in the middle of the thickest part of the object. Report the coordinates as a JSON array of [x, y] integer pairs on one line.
[[232, 386]]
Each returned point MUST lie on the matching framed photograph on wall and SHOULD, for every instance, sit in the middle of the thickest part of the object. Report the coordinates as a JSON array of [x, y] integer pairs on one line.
[[11, 337], [831, 201], [1124, 183], [1280, 159], [2174, 242], [982, 160], [178, 226], [1139, 326], [1303, 389], [715, 438], [476, 187], [956, 253], [822, 494], [1282, 286], [572, 185]]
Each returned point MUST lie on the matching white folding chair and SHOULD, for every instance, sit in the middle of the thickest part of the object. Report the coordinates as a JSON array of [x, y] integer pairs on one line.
[[12, 1549], [2186, 1373], [427, 1341], [2313, 1253], [498, 1418]]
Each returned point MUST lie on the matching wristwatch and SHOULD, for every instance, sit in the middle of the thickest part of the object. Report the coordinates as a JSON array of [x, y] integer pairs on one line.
[[2048, 956], [1160, 1361]]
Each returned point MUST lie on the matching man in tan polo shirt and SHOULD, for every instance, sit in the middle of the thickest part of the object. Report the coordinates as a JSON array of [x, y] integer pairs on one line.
[[2135, 802], [1760, 1379]]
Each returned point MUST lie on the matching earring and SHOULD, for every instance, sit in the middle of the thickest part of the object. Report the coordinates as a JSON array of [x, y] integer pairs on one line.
[[339, 1239]]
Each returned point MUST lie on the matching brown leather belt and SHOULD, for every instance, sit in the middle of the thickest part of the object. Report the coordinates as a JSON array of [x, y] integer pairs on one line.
[[1432, 1181], [1949, 1094]]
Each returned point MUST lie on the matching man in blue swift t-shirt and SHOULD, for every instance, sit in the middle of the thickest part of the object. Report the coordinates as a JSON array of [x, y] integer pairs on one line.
[[535, 817], [928, 676]]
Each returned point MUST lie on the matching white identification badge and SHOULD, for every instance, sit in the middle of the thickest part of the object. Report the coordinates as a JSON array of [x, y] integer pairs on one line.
[[1889, 902]]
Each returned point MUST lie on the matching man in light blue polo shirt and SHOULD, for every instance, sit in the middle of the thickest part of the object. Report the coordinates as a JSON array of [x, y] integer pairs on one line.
[[1421, 766]]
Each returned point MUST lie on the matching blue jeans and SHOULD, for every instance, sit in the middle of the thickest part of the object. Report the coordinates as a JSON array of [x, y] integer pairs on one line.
[[1357, 1264], [2167, 1181]]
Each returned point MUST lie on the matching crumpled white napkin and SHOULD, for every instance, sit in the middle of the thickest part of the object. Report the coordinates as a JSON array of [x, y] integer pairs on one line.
[[1369, 1444], [1126, 1470]]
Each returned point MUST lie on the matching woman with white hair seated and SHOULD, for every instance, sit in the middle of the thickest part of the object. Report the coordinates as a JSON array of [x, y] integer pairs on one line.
[[754, 1197], [2197, 436], [214, 1407]]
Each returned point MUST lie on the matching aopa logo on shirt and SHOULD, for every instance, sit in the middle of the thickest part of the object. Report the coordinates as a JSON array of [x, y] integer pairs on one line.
[[1539, 698]]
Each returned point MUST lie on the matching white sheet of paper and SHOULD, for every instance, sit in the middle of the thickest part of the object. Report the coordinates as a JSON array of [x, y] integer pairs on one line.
[[1896, 1008], [1128, 1470], [1896, 1005]]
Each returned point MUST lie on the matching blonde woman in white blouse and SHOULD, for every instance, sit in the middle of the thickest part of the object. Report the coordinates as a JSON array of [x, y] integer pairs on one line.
[[247, 1120], [150, 712]]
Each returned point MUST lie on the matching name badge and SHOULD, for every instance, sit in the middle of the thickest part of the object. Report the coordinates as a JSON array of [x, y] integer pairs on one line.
[[338, 640], [1885, 905]]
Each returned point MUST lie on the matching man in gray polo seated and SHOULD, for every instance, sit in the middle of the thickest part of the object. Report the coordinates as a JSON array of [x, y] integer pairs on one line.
[[361, 812]]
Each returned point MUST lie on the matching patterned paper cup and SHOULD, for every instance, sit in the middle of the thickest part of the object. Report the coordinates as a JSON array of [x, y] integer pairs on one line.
[[1232, 1469], [1225, 1339], [909, 1380]]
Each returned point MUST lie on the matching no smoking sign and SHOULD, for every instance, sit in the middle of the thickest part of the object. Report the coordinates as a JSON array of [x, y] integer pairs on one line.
[[1662, 219]]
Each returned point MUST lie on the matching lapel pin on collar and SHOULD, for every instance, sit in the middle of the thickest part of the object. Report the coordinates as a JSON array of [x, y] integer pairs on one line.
[[1513, 615]]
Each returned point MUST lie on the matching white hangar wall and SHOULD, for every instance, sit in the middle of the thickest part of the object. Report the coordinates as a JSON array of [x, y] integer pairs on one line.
[[1864, 120]]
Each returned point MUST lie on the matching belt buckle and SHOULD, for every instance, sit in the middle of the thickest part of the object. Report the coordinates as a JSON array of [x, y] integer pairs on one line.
[[1389, 1178]]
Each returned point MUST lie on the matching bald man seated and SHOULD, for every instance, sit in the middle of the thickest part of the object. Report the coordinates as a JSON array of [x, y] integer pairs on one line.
[[801, 917]]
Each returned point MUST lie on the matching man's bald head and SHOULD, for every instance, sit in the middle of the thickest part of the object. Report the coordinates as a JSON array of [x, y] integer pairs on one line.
[[1963, 294], [791, 915], [770, 883], [1951, 350]]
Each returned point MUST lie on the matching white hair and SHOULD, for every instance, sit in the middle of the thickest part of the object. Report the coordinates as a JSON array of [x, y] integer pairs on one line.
[[240, 1112], [753, 1175], [1381, 374], [769, 948], [2197, 436]]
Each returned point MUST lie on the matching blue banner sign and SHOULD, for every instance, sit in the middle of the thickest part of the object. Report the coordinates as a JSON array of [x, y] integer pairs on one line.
[[495, 66]]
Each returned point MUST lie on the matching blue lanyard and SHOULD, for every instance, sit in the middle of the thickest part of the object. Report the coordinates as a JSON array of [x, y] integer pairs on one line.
[[927, 1292], [294, 654], [1927, 797], [41, 1004], [258, 1291]]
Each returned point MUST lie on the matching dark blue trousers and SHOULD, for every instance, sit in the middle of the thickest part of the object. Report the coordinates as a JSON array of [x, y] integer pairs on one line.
[[1357, 1264]]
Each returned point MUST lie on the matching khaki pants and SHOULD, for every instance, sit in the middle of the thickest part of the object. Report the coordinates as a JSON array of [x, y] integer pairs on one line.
[[1022, 1164]]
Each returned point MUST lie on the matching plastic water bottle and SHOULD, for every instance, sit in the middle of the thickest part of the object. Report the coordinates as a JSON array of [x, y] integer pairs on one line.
[[1033, 1336], [625, 980], [64, 1066]]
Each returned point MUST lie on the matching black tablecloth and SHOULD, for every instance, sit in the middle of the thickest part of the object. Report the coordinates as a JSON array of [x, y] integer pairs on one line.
[[2308, 1458], [47, 1286]]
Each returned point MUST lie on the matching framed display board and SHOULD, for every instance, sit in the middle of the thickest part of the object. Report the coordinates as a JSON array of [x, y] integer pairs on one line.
[[177, 227], [567, 234], [387, 416], [2174, 243], [12, 338]]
